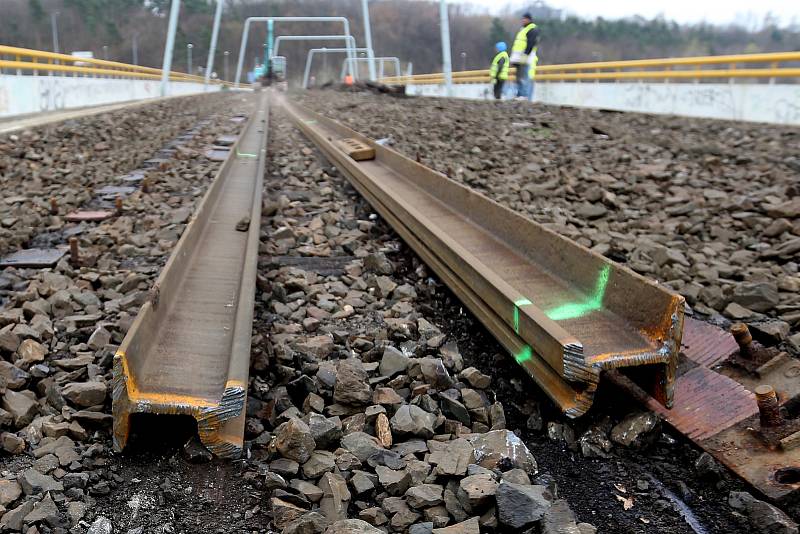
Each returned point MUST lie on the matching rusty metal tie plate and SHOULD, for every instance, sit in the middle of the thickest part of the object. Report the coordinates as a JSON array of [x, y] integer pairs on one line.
[[715, 406]]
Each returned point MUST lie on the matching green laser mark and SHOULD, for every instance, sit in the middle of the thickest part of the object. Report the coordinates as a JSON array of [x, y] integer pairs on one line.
[[524, 355], [572, 310], [310, 121], [517, 304], [245, 155]]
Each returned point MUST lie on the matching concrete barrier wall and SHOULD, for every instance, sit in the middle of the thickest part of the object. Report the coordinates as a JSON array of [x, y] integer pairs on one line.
[[776, 104], [23, 95]]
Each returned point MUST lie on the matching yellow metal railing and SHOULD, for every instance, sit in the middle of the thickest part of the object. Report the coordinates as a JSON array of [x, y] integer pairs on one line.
[[26, 61], [692, 68]]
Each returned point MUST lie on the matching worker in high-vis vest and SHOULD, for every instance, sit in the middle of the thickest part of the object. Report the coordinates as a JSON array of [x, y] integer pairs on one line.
[[499, 70], [523, 52]]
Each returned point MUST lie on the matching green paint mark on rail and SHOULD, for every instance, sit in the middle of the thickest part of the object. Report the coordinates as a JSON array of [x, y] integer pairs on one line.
[[517, 304], [524, 355], [245, 154], [572, 310]]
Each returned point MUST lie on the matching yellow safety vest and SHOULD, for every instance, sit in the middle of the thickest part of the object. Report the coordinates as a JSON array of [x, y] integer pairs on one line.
[[533, 63], [521, 41], [503, 74]]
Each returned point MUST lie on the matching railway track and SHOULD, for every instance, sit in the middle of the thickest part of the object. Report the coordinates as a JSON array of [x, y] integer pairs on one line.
[[188, 352], [567, 315], [564, 312]]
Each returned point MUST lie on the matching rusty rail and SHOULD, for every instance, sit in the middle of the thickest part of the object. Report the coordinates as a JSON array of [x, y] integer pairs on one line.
[[188, 351], [564, 312]]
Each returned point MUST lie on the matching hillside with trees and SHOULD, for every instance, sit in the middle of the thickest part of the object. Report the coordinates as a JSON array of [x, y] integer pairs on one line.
[[405, 28]]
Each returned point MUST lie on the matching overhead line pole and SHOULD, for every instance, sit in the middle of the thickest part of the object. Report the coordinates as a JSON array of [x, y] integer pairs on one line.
[[368, 38], [54, 25], [447, 66], [166, 66], [214, 35]]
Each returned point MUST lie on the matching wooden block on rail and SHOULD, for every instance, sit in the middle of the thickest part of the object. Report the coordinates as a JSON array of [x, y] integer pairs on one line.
[[356, 149]]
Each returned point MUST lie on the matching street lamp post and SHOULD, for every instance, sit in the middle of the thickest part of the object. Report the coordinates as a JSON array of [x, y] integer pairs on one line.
[[226, 54], [135, 48], [54, 26], [189, 56], [463, 61], [105, 52]]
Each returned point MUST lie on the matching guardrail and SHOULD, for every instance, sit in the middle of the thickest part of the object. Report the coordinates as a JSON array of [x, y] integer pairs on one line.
[[25, 61], [687, 68]]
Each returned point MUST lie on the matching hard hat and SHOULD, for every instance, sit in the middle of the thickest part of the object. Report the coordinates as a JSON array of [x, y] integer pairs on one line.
[[501, 46]]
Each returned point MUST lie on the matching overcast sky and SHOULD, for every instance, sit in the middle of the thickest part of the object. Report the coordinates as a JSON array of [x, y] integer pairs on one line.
[[746, 12]]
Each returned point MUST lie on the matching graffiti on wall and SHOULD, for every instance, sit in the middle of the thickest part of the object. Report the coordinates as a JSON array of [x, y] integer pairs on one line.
[[715, 101], [787, 110], [759, 102], [24, 95], [51, 96]]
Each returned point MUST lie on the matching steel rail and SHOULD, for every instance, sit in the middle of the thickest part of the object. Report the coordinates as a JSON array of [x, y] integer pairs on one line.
[[564, 312], [188, 351]]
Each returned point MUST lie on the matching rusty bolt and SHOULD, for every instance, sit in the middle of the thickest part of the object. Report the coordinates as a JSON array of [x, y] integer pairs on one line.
[[145, 185], [74, 253], [743, 338], [118, 205], [53, 206], [768, 406]]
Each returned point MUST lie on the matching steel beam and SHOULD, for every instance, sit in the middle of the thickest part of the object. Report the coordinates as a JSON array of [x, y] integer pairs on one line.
[[188, 351], [564, 312], [313, 51], [246, 32], [381, 60], [348, 39]]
